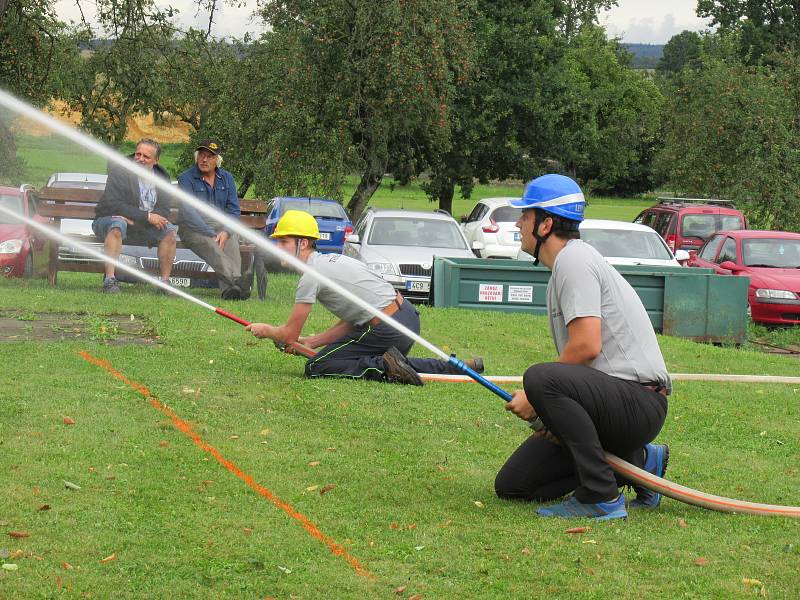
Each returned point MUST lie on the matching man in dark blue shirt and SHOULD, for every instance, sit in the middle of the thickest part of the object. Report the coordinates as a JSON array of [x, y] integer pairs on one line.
[[208, 238]]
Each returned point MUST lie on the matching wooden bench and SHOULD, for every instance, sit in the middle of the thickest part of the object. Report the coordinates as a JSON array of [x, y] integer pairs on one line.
[[67, 203]]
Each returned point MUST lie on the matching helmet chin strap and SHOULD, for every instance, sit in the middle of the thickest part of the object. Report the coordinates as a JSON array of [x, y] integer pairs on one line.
[[540, 239]]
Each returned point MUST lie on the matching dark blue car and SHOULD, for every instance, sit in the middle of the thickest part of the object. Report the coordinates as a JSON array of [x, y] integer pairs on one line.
[[333, 220]]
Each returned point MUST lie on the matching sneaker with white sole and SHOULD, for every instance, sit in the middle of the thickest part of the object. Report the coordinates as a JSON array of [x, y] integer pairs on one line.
[[572, 508], [655, 463]]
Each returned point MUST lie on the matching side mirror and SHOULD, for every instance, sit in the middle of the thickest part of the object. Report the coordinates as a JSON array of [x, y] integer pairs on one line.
[[476, 245], [463, 218], [682, 256], [353, 239]]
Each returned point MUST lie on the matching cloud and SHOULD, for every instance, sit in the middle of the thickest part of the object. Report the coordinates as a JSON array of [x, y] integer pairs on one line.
[[653, 31]]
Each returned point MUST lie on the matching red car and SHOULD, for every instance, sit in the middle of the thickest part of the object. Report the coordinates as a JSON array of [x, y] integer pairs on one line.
[[21, 251], [771, 259], [686, 223]]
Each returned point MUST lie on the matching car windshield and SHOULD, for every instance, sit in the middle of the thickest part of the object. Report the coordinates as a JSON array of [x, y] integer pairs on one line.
[[626, 244], [771, 252], [317, 208], [10, 203], [506, 214], [410, 231]]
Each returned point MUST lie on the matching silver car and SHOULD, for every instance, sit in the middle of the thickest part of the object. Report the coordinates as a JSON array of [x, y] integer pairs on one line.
[[400, 245]]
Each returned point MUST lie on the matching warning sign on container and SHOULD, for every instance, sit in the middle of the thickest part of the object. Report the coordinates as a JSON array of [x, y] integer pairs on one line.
[[490, 292], [520, 293]]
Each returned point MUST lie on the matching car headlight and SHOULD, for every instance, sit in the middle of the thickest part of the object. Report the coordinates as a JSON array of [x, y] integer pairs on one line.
[[128, 260], [775, 294], [382, 268], [11, 247]]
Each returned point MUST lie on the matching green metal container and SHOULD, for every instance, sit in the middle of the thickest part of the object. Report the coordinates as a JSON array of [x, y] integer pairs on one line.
[[680, 301]]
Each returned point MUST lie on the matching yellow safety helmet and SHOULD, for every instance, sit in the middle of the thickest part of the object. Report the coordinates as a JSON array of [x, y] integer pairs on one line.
[[296, 223]]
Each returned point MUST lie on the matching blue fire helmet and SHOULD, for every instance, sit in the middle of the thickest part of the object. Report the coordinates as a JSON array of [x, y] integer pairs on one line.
[[555, 194]]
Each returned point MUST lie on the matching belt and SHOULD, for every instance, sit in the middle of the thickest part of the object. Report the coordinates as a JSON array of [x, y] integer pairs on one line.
[[657, 388], [390, 309]]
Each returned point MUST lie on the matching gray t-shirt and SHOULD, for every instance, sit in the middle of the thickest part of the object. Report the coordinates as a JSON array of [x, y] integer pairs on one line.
[[583, 284], [351, 274]]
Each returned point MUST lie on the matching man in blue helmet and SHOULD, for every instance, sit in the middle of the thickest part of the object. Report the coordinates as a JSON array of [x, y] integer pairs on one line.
[[608, 389]]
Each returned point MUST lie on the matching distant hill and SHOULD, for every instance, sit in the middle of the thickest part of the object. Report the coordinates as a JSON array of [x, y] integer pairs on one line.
[[645, 56]]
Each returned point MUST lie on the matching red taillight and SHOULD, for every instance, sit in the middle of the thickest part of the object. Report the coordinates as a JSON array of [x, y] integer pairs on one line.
[[347, 230], [493, 227], [671, 242]]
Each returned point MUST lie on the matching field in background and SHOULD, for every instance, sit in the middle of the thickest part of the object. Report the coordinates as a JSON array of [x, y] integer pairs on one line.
[[406, 472]]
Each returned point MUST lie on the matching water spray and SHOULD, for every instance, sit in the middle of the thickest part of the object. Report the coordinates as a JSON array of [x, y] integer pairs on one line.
[[620, 466]]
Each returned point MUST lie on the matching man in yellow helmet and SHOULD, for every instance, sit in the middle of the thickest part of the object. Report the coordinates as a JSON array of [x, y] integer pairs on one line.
[[359, 345]]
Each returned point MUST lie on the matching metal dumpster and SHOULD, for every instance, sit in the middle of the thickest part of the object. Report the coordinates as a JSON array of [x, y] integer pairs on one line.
[[680, 301]]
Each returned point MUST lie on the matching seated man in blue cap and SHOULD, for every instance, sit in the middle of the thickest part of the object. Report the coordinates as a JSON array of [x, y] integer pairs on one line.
[[608, 389], [205, 236]]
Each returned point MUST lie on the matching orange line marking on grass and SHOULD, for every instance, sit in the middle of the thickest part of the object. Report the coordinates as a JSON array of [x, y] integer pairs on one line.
[[311, 528]]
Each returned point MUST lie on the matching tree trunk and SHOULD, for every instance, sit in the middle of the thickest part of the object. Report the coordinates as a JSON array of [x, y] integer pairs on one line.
[[446, 197], [375, 159], [247, 181], [3, 7], [370, 181]]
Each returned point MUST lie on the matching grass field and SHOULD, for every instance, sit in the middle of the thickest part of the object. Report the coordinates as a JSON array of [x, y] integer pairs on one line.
[[408, 508]]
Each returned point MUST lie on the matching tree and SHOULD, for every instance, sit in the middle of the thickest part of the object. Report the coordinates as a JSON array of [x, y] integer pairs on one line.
[[35, 50], [606, 116], [573, 15], [762, 26], [682, 50], [731, 131], [498, 119], [388, 71]]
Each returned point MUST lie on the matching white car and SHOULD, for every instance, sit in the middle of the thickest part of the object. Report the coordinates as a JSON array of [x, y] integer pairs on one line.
[[400, 245], [623, 243], [491, 228]]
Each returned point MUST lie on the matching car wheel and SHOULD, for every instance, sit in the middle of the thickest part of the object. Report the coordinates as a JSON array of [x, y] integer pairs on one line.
[[749, 312], [27, 271]]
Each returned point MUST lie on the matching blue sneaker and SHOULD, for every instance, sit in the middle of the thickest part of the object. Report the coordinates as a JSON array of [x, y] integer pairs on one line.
[[655, 462], [572, 508]]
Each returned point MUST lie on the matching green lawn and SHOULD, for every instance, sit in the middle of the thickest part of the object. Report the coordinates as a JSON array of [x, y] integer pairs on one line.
[[412, 468]]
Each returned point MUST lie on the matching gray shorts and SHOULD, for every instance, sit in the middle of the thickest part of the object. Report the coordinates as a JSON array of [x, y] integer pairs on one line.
[[135, 235]]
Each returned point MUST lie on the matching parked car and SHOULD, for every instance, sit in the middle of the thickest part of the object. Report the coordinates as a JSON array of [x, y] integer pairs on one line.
[[21, 248], [623, 243], [334, 222], [771, 259], [686, 223], [140, 257], [491, 229], [400, 245]]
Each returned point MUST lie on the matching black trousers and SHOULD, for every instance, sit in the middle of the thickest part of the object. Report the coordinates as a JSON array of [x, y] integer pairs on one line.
[[360, 354], [589, 412]]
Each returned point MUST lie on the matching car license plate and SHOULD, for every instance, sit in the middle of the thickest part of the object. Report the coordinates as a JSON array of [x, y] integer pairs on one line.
[[324, 235], [180, 281], [418, 286], [516, 236]]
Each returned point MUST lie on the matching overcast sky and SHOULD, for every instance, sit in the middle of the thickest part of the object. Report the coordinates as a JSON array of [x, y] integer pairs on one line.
[[645, 21], [651, 21]]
